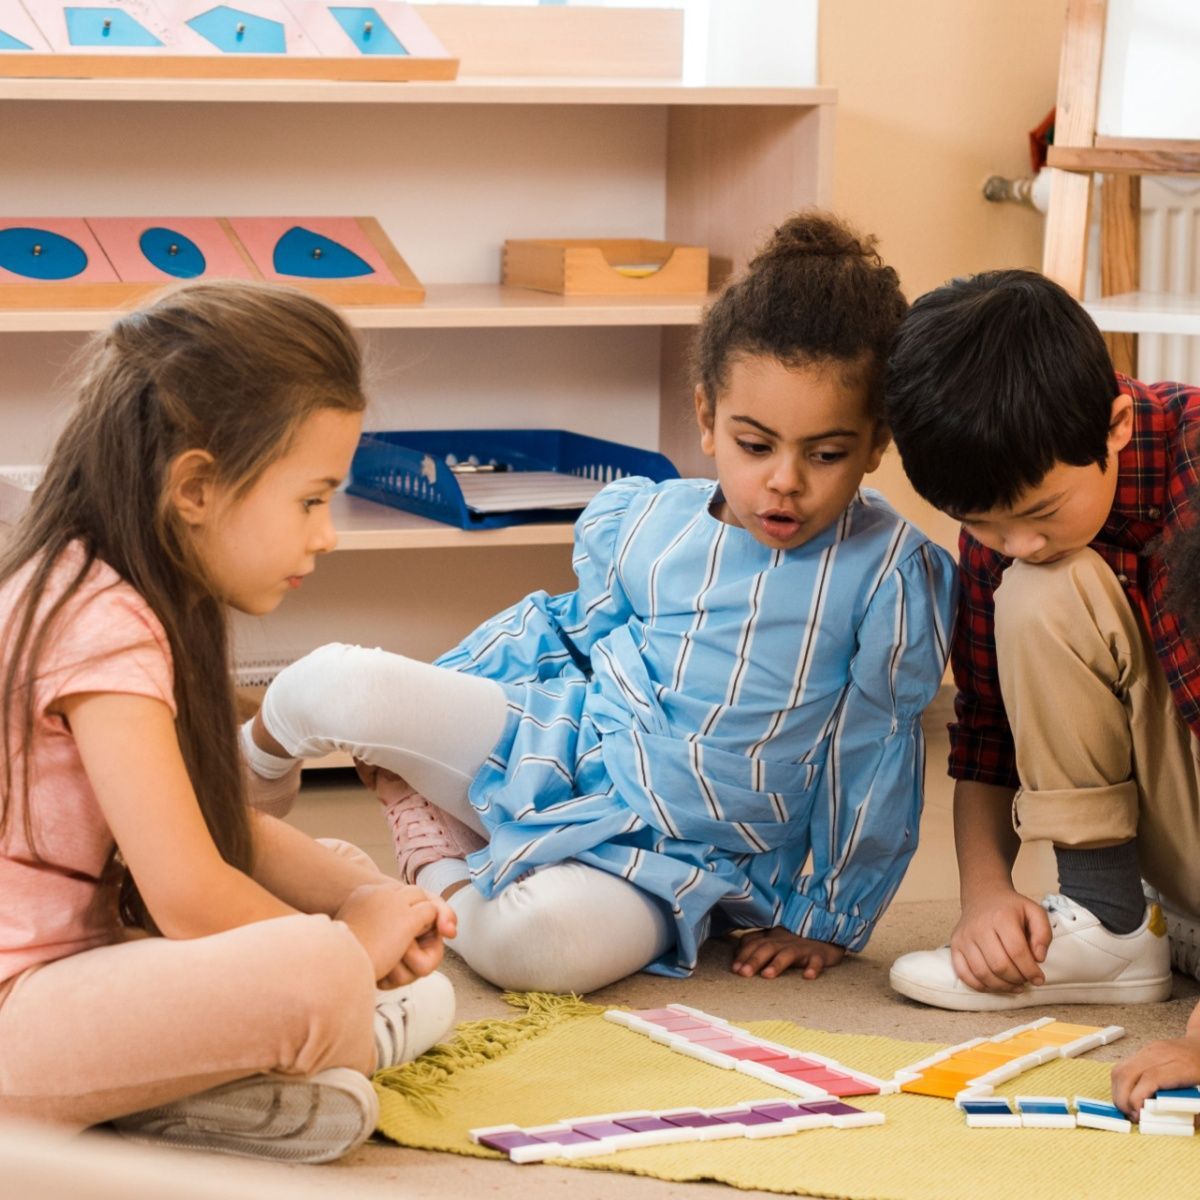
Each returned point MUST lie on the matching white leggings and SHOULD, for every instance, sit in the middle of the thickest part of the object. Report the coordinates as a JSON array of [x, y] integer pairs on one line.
[[564, 928]]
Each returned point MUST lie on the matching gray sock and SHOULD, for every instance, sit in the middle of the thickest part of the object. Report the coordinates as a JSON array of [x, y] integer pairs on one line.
[[1107, 882]]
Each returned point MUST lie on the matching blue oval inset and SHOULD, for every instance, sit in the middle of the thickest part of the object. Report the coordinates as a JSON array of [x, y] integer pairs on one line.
[[172, 252], [40, 254], [309, 255]]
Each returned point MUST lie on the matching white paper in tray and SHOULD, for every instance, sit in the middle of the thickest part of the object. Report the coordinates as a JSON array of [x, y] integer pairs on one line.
[[512, 491]]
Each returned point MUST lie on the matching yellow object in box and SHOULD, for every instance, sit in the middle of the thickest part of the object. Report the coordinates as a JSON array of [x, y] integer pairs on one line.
[[606, 266]]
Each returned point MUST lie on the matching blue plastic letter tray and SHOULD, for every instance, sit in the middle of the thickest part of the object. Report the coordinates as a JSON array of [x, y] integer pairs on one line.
[[472, 477]]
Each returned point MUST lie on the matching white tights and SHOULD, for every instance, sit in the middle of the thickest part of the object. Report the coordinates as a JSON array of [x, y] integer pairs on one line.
[[564, 928]]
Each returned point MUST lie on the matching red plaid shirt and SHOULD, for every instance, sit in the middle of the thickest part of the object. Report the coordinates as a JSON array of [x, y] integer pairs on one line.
[[1157, 474]]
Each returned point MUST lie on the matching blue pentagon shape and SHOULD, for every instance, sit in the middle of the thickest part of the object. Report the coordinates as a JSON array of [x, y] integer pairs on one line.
[[106, 27], [233, 31], [308, 255], [40, 254]]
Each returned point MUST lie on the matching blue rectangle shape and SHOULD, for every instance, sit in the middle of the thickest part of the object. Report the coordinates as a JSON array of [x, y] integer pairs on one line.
[[1098, 1108], [986, 1107], [1058, 1108], [1190, 1093]]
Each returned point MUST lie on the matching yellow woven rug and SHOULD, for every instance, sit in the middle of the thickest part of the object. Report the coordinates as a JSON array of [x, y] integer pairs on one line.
[[562, 1059]]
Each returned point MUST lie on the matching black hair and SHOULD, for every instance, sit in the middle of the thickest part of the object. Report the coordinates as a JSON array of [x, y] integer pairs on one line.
[[992, 381], [816, 292]]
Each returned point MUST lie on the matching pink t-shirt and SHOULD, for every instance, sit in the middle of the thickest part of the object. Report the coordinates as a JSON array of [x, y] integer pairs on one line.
[[60, 900]]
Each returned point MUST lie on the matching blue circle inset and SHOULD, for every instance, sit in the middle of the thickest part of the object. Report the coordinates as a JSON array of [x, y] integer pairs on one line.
[[172, 252], [40, 254]]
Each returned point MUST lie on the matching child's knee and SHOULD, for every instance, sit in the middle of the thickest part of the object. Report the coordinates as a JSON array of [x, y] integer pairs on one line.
[[314, 985], [561, 930], [1045, 596], [540, 948], [329, 694]]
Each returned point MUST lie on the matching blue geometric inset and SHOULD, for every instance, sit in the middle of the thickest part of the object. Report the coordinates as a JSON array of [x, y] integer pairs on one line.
[[235, 32], [40, 254], [8, 42], [172, 252], [368, 31], [106, 27], [309, 255]]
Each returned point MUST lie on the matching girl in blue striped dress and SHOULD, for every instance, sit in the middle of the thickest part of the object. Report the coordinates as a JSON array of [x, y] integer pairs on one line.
[[718, 729]]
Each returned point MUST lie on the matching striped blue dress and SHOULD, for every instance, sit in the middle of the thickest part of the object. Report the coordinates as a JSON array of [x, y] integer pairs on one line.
[[734, 729]]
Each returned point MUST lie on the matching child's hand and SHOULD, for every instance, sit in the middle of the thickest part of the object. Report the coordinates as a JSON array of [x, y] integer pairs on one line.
[[426, 951], [1000, 941], [400, 927], [1169, 1064], [770, 952]]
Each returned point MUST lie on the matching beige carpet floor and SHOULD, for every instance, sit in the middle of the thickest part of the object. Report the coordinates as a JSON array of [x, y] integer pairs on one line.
[[854, 997]]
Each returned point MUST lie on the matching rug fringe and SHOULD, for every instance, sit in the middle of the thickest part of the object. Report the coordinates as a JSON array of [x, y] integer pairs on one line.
[[478, 1042]]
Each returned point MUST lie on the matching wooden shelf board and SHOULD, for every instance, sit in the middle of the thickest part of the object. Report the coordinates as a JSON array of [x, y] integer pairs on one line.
[[446, 306], [1146, 312], [364, 525], [469, 90]]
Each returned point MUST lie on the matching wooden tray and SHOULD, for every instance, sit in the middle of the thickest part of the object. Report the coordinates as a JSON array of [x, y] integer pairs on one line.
[[606, 266]]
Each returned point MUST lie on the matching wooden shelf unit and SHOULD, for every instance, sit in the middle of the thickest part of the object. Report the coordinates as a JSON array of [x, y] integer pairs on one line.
[[473, 90], [450, 170], [365, 525], [1081, 154], [446, 306]]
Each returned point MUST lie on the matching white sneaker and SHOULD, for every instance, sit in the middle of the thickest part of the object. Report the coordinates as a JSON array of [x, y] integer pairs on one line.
[[1085, 964], [282, 1118], [1183, 933], [408, 1020]]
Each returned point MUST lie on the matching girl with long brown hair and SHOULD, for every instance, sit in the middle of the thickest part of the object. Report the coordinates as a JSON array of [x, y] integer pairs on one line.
[[210, 430]]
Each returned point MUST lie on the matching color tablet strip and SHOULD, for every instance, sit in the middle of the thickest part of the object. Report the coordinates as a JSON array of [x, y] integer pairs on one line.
[[606, 1133], [712, 1040], [973, 1068]]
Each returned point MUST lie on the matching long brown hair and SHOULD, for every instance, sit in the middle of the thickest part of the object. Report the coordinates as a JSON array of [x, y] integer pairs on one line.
[[229, 368]]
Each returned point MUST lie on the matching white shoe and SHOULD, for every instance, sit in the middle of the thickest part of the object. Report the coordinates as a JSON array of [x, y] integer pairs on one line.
[[282, 1118], [409, 1020], [1085, 964], [1183, 933]]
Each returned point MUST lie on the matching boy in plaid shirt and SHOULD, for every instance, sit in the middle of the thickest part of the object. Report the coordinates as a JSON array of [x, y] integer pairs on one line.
[[1078, 682]]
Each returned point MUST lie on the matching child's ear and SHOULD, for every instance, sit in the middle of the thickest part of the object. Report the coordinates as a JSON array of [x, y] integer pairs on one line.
[[882, 440], [704, 418], [191, 486], [1120, 423]]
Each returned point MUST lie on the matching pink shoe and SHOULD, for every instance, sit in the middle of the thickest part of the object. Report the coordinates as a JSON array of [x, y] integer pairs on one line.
[[421, 832]]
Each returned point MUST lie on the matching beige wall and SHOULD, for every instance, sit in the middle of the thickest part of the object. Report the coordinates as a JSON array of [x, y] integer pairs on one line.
[[934, 96]]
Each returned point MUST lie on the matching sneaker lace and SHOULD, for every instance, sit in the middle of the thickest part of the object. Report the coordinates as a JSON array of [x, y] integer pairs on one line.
[[1059, 909]]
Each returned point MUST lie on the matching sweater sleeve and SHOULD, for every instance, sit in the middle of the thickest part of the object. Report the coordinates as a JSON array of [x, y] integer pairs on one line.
[[868, 808]]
